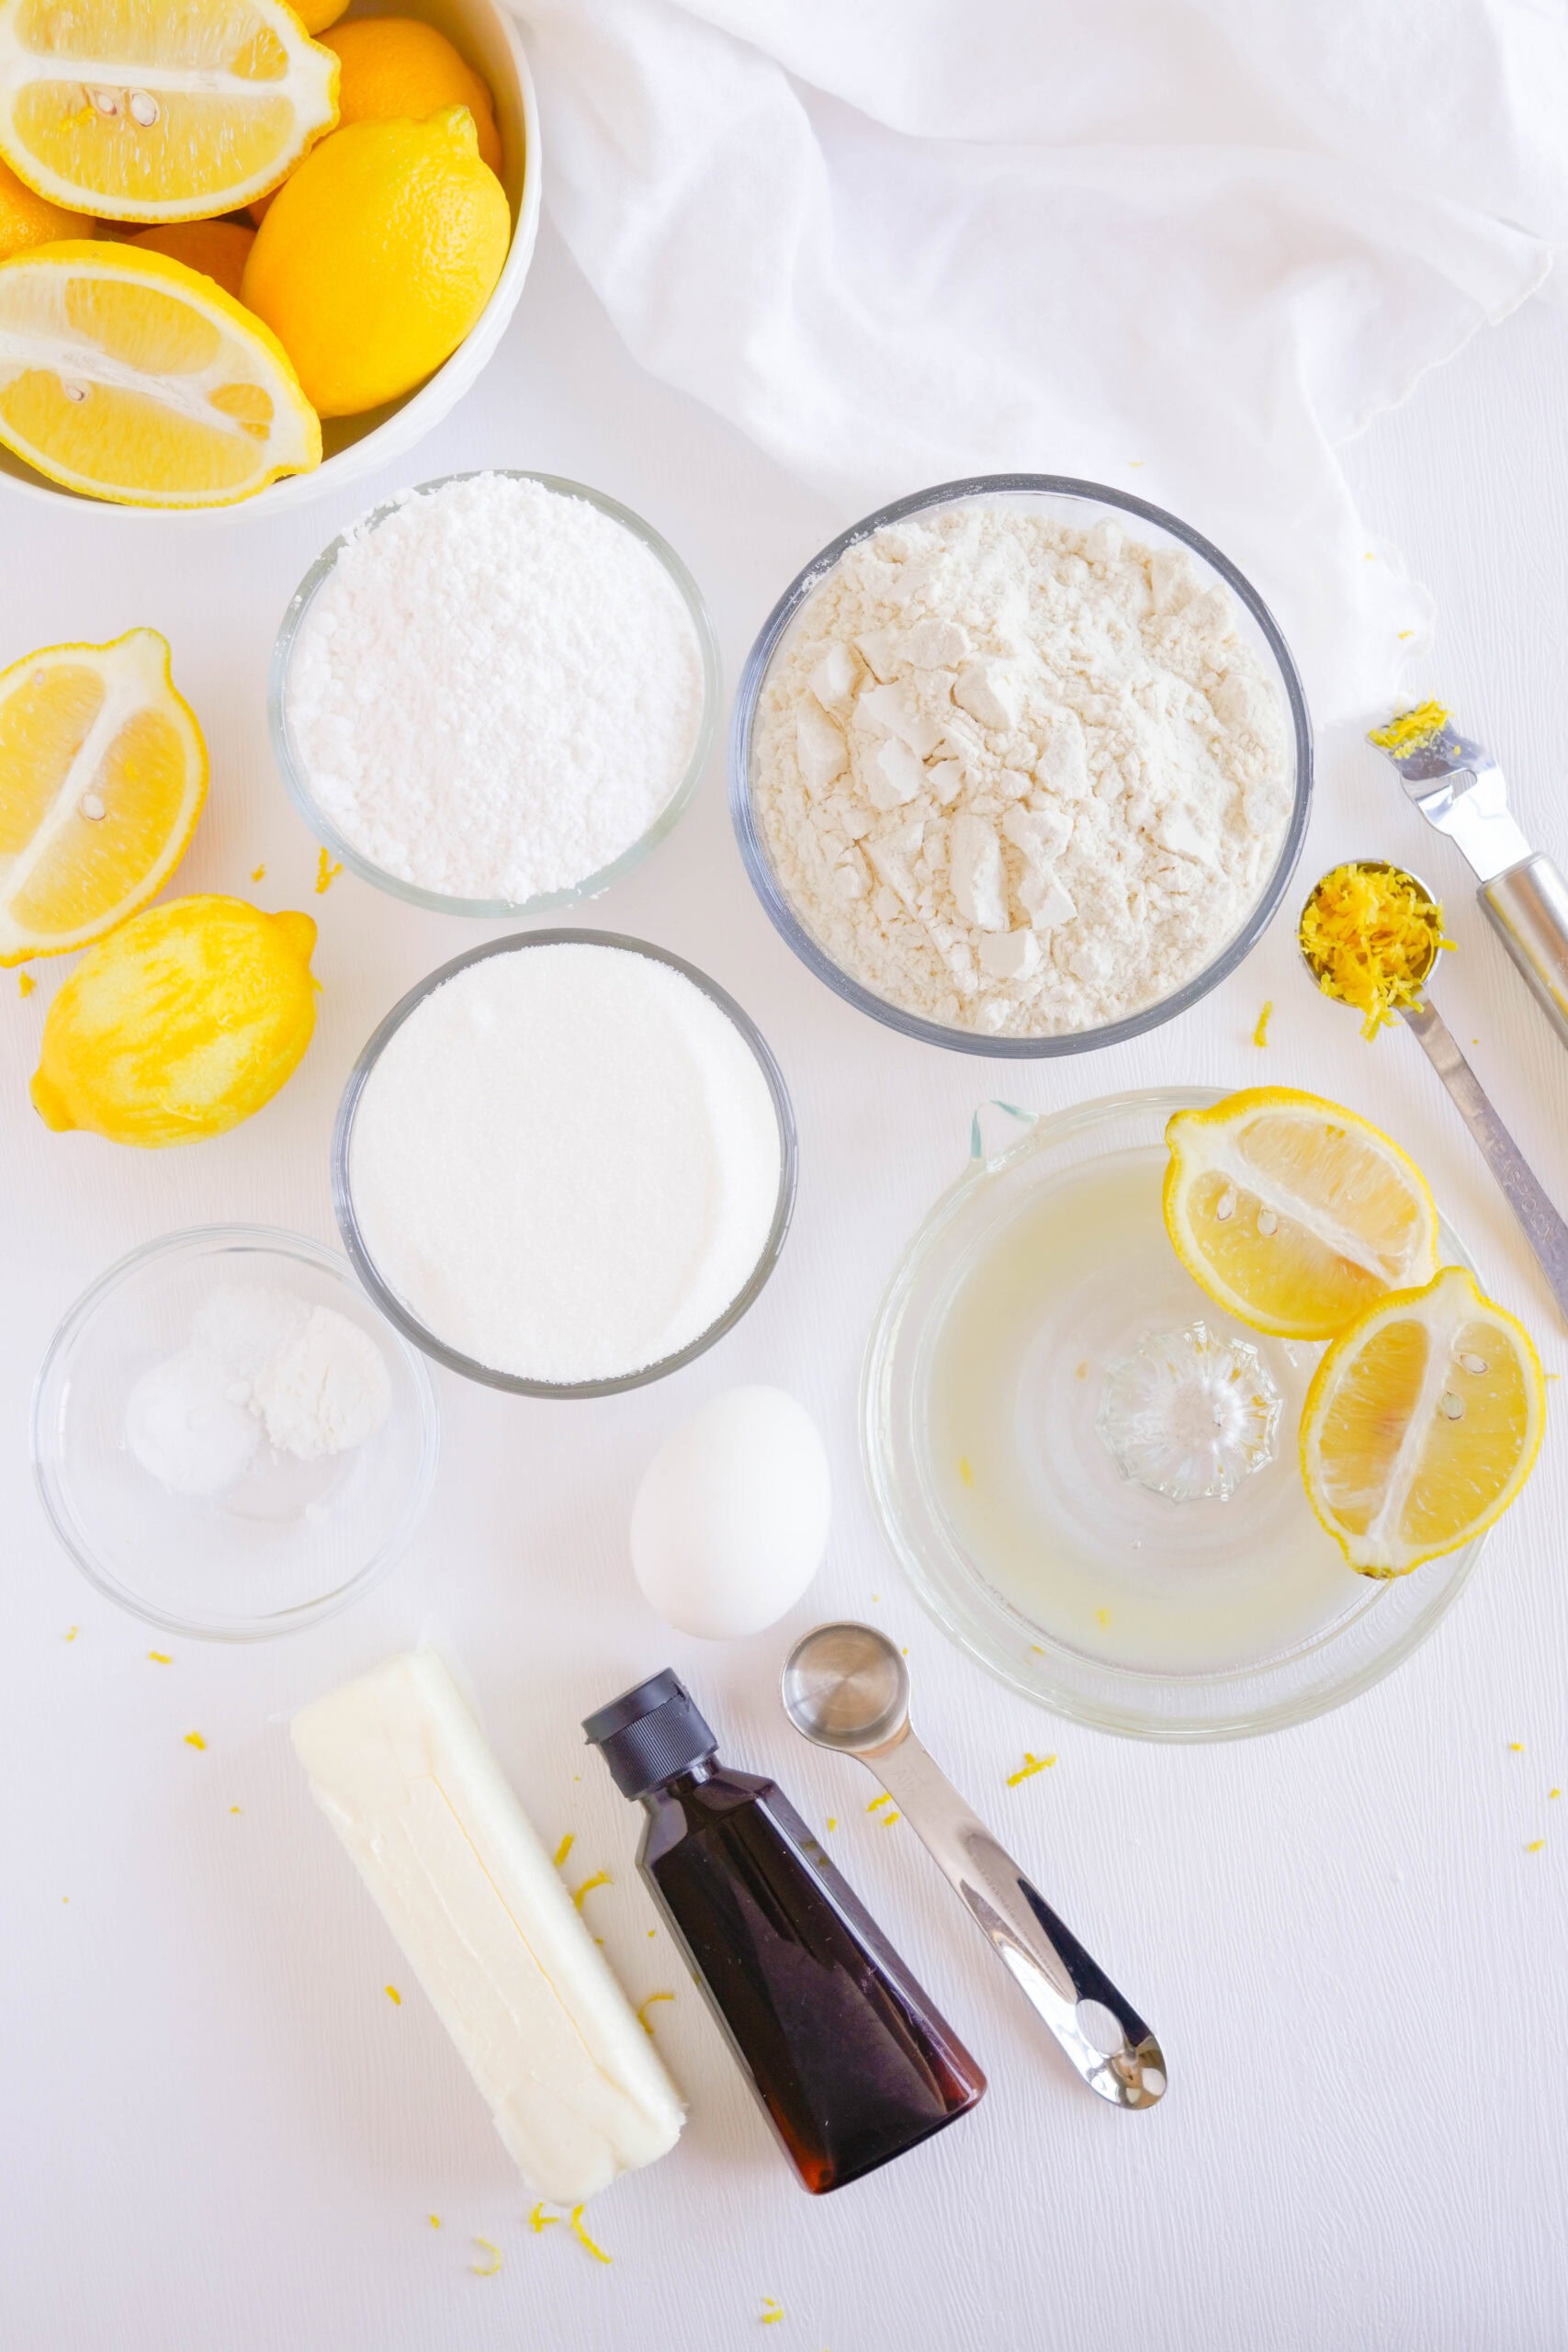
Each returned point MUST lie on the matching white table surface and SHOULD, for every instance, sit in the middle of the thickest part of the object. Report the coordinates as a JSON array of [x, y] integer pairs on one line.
[[219, 2134]]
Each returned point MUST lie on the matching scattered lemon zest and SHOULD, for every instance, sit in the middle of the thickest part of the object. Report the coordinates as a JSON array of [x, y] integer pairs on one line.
[[882, 1799], [235, 1808], [1102, 1616], [600, 1878], [1516, 1747], [71, 1631], [1368, 556], [1260, 1035], [539, 2220], [583, 2240], [394, 1996], [258, 874], [564, 1848], [1405, 633], [888, 1818], [833, 1818], [25, 984], [772, 2311], [435, 2219], [967, 1469], [1371, 938], [160, 1657], [876, 1596], [1408, 729], [194, 1739], [1137, 461], [486, 2270], [1036, 1649], [644, 2008], [1030, 1765], [65, 1898], [653, 1931], [1554, 1793], [1535, 1845], [326, 872]]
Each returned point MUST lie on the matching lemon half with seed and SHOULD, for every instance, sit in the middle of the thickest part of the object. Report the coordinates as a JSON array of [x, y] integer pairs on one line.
[[126, 376], [103, 773], [1292, 1213], [1422, 1423], [159, 110]]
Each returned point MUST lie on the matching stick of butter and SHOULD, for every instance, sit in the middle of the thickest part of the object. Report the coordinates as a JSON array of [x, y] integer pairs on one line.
[[403, 1773]]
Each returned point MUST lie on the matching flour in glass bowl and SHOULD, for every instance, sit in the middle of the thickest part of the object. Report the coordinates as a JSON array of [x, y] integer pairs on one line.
[[496, 691], [1019, 777]]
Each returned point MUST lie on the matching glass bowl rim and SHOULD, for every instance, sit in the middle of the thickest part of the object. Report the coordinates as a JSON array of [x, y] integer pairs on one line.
[[775, 901], [291, 767], [386, 1299], [47, 1478], [931, 1589]]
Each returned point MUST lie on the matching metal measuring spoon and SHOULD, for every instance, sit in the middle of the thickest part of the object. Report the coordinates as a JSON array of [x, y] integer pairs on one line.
[[1543, 1228], [845, 1687]]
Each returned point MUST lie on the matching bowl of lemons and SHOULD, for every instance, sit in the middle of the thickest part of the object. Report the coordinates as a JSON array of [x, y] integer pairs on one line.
[[258, 256]]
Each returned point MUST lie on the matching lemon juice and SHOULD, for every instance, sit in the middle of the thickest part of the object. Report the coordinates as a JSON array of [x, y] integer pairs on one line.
[[1076, 1369]]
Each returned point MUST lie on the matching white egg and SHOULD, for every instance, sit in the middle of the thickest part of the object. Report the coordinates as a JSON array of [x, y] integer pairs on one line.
[[731, 1521]]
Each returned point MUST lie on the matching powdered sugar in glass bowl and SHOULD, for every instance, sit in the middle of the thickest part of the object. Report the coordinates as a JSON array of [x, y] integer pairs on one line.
[[494, 694], [986, 692]]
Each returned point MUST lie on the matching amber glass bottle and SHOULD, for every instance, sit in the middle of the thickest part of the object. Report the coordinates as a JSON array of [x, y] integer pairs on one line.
[[851, 2061]]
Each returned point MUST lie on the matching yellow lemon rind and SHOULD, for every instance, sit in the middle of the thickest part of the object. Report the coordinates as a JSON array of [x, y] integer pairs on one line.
[[315, 110], [19, 945], [128, 263], [1185, 1166], [1349, 1344]]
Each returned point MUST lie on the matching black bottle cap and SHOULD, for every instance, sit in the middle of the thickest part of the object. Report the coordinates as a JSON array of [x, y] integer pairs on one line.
[[650, 1734]]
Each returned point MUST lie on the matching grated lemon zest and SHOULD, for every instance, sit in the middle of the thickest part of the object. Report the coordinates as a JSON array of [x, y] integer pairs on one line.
[[646, 2005], [1027, 1769], [600, 1878], [235, 1808], [326, 872], [1408, 729], [583, 2240], [71, 1631], [25, 984], [889, 1817], [486, 2270], [772, 2311], [1535, 1845], [1516, 1747], [882, 1799], [1103, 1616], [564, 1848], [194, 1739], [1370, 941], [539, 2220], [1554, 1793], [435, 2221], [1260, 1035], [833, 1823], [394, 1996], [967, 1469], [160, 1657]]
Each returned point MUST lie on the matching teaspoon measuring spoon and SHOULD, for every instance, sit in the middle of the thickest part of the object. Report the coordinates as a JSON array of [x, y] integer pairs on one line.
[[1543, 1228], [847, 1688]]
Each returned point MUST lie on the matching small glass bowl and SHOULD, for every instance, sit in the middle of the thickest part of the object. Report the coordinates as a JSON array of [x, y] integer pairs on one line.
[[1203, 1565], [397, 1311], [291, 765], [1081, 504], [289, 1542]]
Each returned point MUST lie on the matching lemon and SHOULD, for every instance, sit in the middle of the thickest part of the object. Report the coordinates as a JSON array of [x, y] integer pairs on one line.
[[395, 65], [220, 249], [1292, 1213], [150, 112], [317, 15], [128, 376], [377, 255], [27, 220], [180, 1024], [1422, 1423], [103, 773]]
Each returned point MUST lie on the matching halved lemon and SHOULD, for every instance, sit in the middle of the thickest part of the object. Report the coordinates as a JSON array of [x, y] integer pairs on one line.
[[1292, 1213], [126, 376], [1423, 1421], [103, 771], [133, 111]]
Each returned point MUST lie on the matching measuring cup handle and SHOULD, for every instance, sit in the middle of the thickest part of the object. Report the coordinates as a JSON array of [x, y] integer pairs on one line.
[[1045, 1960]]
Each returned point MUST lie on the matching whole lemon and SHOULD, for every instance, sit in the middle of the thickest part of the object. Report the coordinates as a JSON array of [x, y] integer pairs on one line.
[[315, 15], [377, 255], [27, 220], [180, 1024], [395, 65]]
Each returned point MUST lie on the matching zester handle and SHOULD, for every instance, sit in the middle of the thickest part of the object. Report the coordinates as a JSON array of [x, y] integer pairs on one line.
[[1527, 908]]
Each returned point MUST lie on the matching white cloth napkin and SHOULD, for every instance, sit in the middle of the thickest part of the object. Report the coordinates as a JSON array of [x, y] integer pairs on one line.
[[1183, 247]]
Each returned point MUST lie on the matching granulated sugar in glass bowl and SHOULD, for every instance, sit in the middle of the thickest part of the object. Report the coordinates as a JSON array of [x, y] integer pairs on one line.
[[1019, 765], [494, 694]]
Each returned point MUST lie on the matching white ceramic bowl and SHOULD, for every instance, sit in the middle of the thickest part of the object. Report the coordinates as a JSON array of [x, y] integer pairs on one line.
[[357, 446]]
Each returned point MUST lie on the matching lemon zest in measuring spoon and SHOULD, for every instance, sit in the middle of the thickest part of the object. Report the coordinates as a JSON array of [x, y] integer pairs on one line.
[[1371, 939]]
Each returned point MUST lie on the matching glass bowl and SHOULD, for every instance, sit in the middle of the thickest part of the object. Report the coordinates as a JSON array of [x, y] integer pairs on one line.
[[1102, 1599], [395, 1308], [1080, 504], [288, 1541], [291, 765]]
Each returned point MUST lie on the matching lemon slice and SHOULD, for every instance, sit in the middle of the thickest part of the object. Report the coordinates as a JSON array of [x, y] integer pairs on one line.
[[1423, 1421], [103, 771], [1292, 1213], [133, 111], [126, 376]]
